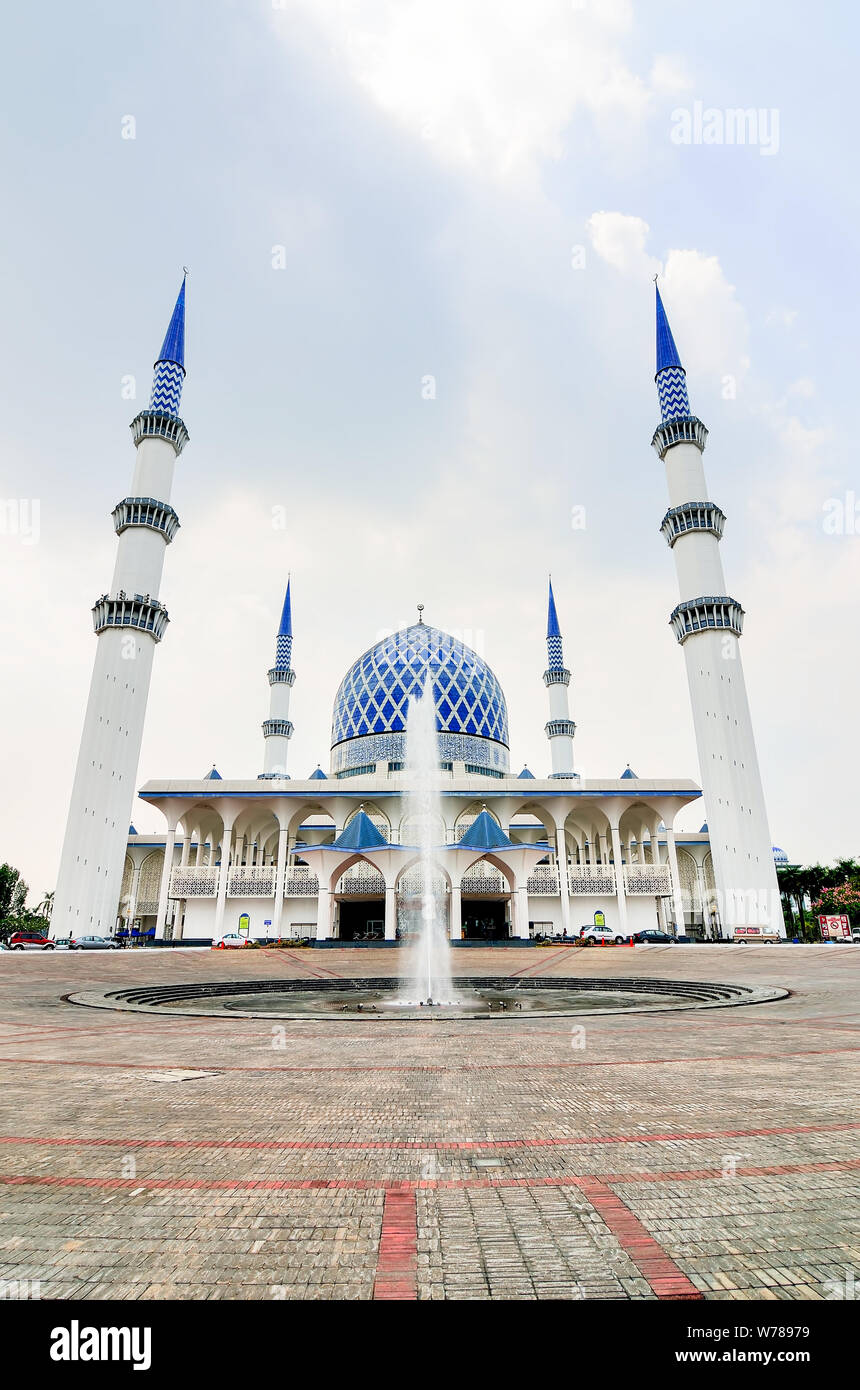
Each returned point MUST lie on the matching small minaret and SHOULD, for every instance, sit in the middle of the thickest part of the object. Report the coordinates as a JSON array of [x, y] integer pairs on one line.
[[129, 622], [707, 623], [277, 729], [560, 728]]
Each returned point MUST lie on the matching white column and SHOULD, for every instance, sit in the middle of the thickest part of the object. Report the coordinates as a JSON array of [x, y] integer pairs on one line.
[[604, 850], [563, 885], [619, 881], [161, 918], [324, 911], [521, 922], [676, 880], [222, 881], [390, 912], [456, 914], [132, 895], [280, 876]]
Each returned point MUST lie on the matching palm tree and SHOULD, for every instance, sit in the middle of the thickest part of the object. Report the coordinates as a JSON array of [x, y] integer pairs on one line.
[[46, 906]]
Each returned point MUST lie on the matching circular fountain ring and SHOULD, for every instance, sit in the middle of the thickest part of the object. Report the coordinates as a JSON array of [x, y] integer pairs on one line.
[[495, 996]]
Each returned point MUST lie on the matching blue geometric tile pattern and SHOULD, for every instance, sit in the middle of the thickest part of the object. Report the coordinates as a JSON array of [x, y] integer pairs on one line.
[[166, 394], [672, 392], [373, 697]]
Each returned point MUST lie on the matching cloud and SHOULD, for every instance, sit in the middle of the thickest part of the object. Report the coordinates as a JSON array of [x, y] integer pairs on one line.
[[489, 87], [709, 324], [670, 75]]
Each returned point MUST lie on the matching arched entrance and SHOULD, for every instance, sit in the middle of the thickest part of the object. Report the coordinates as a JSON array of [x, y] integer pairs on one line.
[[360, 897], [485, 903]]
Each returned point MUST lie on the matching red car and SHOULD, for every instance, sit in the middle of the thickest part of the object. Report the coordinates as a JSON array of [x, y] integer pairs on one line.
[[30, 941]]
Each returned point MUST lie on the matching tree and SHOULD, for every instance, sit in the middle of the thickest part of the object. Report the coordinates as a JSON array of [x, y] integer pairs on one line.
[[13, 892], [46, 906]]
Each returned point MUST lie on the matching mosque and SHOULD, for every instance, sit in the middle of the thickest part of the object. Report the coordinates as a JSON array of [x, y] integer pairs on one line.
[[328, 857]]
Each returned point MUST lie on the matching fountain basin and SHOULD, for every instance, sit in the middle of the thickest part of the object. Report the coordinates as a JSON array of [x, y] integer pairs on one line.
[[380, 999]]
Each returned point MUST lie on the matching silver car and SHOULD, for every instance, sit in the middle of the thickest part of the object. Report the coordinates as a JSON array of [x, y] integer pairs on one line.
[[94, 943]]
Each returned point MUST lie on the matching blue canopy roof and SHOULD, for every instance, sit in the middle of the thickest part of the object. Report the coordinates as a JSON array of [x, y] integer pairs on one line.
[[484, 833], [628, 772], [213, 776], [360, 834], [525, 773], [317, 774]]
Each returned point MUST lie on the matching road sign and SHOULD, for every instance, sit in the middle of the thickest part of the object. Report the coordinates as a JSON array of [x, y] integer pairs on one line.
[[835, 928]]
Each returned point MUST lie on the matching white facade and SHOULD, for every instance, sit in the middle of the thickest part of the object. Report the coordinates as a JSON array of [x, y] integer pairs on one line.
[[577, 848]]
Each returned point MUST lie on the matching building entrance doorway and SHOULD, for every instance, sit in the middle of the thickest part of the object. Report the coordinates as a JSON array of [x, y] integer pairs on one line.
[[362, 921], [484, 919]]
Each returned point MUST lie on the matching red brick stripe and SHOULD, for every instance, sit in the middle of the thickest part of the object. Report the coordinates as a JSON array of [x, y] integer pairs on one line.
[[371, 1185], [85, 1063], [437, 1145], [397, 1259], [664, 1277]]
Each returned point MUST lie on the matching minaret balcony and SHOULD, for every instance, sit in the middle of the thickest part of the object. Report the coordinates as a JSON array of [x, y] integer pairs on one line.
[[560, 727], [157, 424], [277, 728], [282, 675], [556, 675], [687, 429], [137, 611], [702, 614], [692, 516], [145, 511]]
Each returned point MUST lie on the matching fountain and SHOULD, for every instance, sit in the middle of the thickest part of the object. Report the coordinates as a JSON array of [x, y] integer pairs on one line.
[[428, 970]]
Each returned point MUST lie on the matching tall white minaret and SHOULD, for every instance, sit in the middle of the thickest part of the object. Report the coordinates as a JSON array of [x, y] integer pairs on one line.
[[277, 729], [707, 623], [560, 728], [129, 621]]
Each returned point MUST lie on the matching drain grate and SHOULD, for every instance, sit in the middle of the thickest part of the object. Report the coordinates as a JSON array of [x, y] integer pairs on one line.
[[178, 1075]]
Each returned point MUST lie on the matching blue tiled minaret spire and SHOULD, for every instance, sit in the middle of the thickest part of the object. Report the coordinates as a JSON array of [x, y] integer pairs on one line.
[[278, 728], [169, 370], [555, 656], [560, 728], [707, 623], [284, 649], [671, 378]]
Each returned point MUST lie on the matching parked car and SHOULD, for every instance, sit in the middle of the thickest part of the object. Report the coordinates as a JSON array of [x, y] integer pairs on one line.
[[651, 934], [230, 941], [94, 943], [30, 941], [591, 935]]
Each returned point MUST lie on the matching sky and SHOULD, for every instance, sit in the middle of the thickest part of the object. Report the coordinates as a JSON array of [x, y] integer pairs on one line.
[[421, 237]]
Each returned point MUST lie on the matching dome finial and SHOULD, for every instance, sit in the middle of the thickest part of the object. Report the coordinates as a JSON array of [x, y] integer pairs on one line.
[[421, 612]]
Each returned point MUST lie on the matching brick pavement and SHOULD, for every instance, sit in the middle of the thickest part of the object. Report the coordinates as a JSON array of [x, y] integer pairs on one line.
[[710, 1155]]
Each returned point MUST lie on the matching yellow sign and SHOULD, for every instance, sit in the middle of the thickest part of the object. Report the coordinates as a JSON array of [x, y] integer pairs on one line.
[[600, 919], [244, 924]]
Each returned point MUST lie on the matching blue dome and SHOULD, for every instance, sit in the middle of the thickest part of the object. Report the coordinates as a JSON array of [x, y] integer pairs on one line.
[[779, 856], [369, 717]]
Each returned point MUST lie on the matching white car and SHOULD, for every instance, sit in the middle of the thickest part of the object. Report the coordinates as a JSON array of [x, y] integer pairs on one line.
[[591, 935], [232, 939]]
